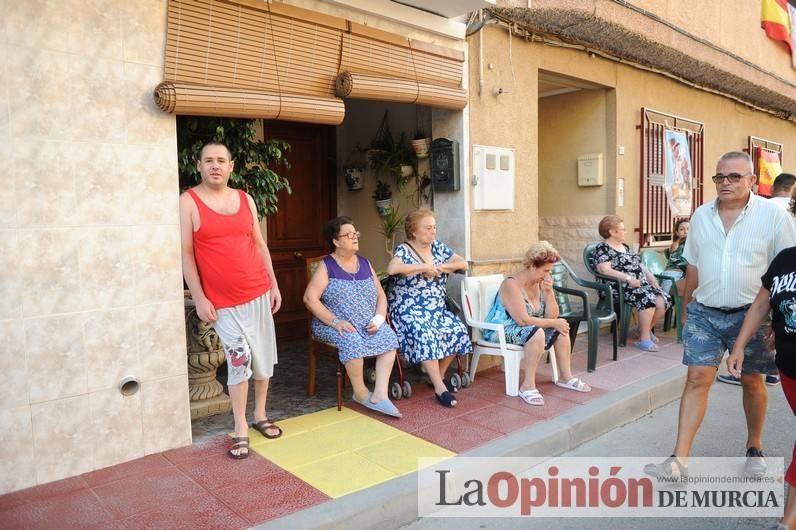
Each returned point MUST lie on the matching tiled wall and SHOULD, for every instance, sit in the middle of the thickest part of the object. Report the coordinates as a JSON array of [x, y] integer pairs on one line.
[[570, 234], [90, 278]]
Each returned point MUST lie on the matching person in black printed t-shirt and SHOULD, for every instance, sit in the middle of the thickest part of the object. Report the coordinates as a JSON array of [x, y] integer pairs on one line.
[[778, 295]]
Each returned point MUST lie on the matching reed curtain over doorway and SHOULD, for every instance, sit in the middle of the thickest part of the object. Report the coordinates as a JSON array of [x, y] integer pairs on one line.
[[251, 59]]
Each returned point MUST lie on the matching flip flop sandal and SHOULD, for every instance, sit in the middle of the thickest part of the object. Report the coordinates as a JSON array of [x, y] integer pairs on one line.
[[264, 426], [239, 443], [367, 398], [446, 399], [646, 345], [574, 384], [452, 389], [384, 406], [532, 397]]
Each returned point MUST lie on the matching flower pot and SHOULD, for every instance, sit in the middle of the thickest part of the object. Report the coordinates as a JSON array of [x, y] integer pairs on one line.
[[421, 147], [353, 178], [384, 206]]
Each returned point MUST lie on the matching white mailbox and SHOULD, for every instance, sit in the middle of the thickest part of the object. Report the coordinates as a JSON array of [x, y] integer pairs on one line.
[[493, 178], [590, 169]]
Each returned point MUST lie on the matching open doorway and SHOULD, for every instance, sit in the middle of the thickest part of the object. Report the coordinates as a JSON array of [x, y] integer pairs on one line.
[[576, 119]]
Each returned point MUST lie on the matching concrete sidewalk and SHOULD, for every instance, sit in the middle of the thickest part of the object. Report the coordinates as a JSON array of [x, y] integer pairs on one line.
[[354, 468], [394, 503]]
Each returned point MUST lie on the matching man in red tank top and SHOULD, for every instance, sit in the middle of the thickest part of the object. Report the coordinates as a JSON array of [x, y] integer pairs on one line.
[[228, 269]]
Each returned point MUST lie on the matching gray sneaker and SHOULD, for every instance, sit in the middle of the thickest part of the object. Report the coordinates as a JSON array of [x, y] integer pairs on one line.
[[670, 469], [755, 466]]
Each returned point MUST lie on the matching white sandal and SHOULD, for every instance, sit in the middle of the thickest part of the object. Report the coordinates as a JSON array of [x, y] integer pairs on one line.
[[532, 397], [578, 385]]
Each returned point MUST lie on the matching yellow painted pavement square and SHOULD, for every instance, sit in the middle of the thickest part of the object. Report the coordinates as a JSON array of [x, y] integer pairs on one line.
[[343, 474], [358, 432], [342, 452], [400, 454]]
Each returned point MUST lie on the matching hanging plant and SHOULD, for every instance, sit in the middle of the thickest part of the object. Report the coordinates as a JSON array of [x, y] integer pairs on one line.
[[254, 159], [387, 154]]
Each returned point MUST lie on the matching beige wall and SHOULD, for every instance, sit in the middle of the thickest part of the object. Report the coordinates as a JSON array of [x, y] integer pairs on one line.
[[548, 134], [512, 120], [507, 120], [727, 126], [90, 287], [731, 24], [571, 125]]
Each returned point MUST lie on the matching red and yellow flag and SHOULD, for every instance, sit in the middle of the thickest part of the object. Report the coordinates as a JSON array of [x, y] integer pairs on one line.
[[776, 21], [769, 167]]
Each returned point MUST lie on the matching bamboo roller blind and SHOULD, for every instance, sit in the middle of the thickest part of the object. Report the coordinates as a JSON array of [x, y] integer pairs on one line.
[[198, 100], [246, 58], [364, 86]]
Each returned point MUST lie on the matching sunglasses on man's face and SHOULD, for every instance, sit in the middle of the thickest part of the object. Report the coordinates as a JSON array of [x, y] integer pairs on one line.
[[732, 178]]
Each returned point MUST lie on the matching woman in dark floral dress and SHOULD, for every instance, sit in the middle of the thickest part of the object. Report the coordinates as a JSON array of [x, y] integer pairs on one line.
[[614, 258]]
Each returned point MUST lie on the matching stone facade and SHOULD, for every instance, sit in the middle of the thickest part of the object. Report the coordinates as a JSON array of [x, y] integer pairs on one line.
[[570, 234]]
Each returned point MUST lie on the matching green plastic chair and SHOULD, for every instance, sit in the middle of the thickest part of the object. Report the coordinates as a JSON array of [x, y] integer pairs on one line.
[[655, 262], [593, 314], [622, 309]]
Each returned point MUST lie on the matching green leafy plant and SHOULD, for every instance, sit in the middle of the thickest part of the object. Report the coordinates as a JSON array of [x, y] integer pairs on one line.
[[382, 191], [254, 159], [386, 153], [390, 226]]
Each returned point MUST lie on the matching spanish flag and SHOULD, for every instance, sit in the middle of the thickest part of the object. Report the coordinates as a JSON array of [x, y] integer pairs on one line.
[[769, 167], [776, 21]]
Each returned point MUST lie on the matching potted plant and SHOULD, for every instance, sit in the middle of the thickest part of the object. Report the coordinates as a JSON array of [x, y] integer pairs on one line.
[[389, 156], [255, 160], [391, 224], [420, 144], [383, 197]]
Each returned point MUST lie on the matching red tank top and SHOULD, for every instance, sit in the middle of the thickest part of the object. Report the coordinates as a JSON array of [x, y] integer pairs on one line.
[[230, 266]]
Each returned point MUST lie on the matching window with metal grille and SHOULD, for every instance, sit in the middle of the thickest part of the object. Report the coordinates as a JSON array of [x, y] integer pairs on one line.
[[656, 219]]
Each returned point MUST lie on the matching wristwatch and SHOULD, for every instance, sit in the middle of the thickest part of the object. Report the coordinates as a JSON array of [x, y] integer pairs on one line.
[[335, 322]]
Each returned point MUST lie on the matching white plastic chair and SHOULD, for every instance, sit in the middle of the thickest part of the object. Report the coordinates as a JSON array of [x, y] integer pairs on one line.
[[478, 294]]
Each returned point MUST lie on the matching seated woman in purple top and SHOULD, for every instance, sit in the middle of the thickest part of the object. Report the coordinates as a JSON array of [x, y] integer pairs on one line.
[[350, 308]]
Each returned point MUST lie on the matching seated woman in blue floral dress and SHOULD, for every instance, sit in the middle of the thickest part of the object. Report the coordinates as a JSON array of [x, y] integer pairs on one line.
[[350, 308], [614, 258], [526, 306], [428, 333]]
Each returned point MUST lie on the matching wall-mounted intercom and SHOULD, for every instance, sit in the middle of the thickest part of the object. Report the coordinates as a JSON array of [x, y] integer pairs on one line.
[[445, 165]]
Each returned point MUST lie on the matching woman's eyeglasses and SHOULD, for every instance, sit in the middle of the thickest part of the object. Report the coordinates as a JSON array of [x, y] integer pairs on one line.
[[350, 235], [732, 177]]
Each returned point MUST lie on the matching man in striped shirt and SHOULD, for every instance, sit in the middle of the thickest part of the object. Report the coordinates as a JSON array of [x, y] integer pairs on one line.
[[730, 244]]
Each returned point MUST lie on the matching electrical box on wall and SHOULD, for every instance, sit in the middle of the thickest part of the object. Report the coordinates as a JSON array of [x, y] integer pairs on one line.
[[493, 178], [444, 156], [590, 169]]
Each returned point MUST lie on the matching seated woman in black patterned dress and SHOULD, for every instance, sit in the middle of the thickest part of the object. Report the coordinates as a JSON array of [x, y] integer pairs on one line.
[[614, 258]]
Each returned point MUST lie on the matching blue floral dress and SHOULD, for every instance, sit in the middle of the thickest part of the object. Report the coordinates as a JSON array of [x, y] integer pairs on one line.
[[352, 297], [515, 334], [426, 328]]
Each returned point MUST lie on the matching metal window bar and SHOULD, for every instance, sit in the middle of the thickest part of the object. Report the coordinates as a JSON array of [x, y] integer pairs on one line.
[[655, 218], [769, 145]]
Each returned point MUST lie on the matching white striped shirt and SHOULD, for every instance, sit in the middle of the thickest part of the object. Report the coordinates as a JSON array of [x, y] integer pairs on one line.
[[730, 265]]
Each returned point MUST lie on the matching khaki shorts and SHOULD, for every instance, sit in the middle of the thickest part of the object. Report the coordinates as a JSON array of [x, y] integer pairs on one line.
[[246, 332]]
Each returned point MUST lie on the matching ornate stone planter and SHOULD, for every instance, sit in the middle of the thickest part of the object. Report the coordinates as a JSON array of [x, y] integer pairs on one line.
[[205, 355]]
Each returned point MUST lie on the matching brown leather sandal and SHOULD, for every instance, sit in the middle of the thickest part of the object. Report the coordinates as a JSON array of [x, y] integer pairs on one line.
[[264, 426], [239, 443]]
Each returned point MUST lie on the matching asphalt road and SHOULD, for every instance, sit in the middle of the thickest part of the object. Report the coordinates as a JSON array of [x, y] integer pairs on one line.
[[722, 434]]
